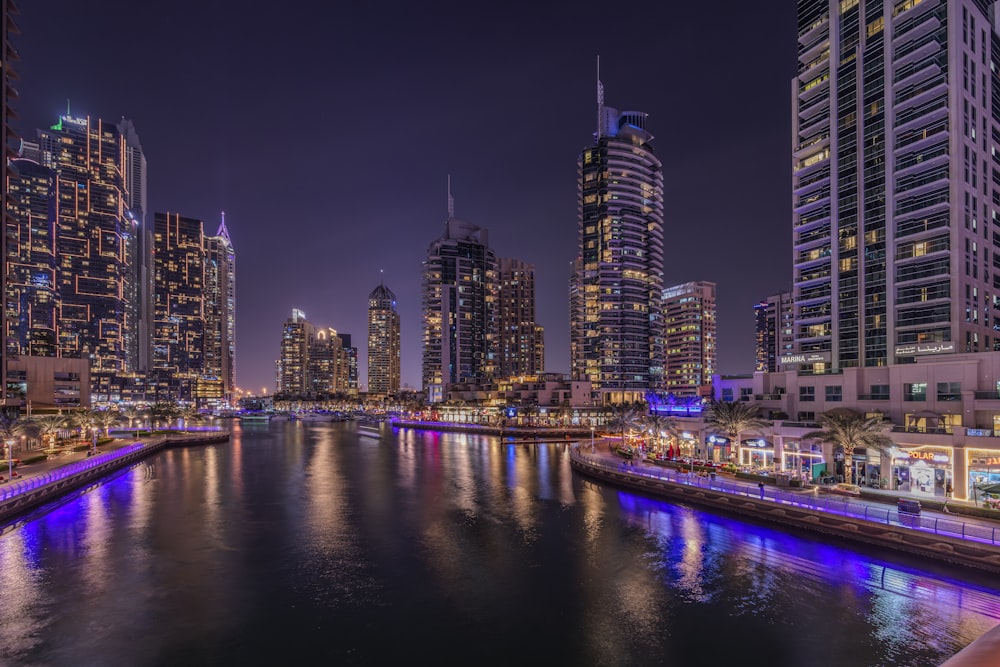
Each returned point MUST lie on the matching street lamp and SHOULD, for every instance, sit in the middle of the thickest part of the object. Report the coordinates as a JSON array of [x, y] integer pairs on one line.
[[591, 438], [94, 450], [10, 459]]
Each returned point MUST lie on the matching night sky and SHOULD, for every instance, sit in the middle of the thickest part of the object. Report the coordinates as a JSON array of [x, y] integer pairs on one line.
[[326, 135]]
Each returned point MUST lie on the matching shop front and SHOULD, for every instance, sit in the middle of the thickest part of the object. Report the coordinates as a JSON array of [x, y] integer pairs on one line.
[[984, 471], [717, 448], [798, 459], [757, 453], [924, 471]]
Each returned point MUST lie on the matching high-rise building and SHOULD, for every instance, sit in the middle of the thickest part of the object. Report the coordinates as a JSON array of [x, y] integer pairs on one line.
[[32, 300], [691, 345], [179, 332], [95, 243], [296, 337], [350, 362], [459, 308], [774, 331], [383, 342], [522, 340], [140, 340], [220, 309], [617, 327], [895, 116]]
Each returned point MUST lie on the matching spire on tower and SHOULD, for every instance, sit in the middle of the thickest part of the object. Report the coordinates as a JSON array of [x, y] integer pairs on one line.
[[451, 200]]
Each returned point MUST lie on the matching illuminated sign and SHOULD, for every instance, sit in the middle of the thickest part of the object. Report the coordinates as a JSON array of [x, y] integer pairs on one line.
[[756, 443], [915, 349], [929, 456], [805, 358], [989, 461], [717, 440]]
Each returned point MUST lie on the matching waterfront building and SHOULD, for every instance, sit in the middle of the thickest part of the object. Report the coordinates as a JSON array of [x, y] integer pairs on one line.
[[314, 361], [350, 362], [296, 336], [8, 56], [32, 300], [459, 306], [179, 315], [39, 383], [944, 413], [383, 342], [774, 331], [894, 129], [521, 338], [543, 391], [220, 314], [689, 317], [95, 243], [617, 327]]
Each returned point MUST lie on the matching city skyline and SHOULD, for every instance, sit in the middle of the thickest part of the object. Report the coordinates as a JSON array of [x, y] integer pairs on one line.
[[309, 149]]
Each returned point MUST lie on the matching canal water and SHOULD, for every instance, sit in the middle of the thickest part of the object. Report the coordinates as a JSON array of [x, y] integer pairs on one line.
[[310, 544]]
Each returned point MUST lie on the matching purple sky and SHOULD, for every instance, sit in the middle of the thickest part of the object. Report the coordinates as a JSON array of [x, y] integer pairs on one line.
[[327, 137]]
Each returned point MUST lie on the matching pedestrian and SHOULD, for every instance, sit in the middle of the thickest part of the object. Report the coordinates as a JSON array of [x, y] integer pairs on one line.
[[947, 489], [760, 485]]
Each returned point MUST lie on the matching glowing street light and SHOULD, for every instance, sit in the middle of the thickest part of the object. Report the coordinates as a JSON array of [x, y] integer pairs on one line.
[[10, 459]]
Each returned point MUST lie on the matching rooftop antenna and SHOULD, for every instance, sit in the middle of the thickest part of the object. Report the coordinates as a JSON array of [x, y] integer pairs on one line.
[[67, 107], [451, 200], [381, 277], [600, 100]]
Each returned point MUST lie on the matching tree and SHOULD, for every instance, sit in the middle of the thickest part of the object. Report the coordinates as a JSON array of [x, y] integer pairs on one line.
[[190, 415], [731, 418], [48, 427], [624, 418], [83, 419], [658, 426], [163, 411], [105, 419], [131, 413], [849, 430], [11, 428]]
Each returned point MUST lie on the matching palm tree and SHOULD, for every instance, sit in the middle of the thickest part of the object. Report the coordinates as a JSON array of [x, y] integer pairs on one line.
[[48, 427], [105, 419], [624, 418], [849, 430], [163, 410], [11, 428], [190, 415], [730, 418], [658, 425], [131, 413]]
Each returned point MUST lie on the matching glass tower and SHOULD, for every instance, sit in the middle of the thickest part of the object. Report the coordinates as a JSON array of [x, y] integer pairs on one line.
[[383, 342]]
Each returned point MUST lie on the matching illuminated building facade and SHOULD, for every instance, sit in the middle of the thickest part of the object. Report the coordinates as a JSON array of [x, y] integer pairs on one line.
[[522, 340], [689, 316], [616, 327], [32, 301], [220, 310], [895, 126], [351, 353], [8, 56], [383, 342], [774, 331], [459, 305], [314, 361], [140, 291], [296, 336], [179, 268], [94, 242]]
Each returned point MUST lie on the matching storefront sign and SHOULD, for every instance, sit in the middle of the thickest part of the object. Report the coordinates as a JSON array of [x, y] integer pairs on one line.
[[804, 358], [930, 456], [915, 349], [988, 461], [756, 443]]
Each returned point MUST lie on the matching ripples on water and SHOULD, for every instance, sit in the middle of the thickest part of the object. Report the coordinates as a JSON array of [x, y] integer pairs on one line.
[[307, 544]]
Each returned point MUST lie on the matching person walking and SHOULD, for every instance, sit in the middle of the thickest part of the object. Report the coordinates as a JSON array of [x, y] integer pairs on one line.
[[760, 485]]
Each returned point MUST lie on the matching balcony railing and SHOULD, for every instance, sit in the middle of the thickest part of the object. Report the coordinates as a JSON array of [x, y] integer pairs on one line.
[[938, 430], [988, 395], [768, 397], [873, 397]]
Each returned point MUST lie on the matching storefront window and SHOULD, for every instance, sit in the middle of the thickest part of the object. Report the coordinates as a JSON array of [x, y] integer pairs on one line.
[[923, 471]]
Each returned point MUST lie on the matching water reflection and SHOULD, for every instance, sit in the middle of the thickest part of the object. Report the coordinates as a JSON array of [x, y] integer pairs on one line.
[[360, 551]]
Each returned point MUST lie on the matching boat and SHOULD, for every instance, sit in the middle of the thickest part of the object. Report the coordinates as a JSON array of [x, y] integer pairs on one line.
[[372, 429], [255, 417], [311, 417]]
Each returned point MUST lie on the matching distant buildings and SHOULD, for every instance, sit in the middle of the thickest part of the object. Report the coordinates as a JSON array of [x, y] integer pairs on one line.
[[616, 325], [179, 317], [383, 342], [220, 309], [522, 340], [774, 331], [314, 361], [691, 344]]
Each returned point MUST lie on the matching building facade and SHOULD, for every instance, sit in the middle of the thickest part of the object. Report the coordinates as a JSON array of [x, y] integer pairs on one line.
[[383, 342], [314, 361], [140, 340], [691, 344], [521, 338], [459, 306], [179, 332], [895, 126], [616, 327], [774, 331]]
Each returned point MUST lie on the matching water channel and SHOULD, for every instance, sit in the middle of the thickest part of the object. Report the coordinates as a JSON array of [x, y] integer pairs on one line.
[[313, 544]]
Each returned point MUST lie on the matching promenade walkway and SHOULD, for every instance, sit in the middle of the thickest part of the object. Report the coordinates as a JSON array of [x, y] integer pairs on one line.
[[972, 529]]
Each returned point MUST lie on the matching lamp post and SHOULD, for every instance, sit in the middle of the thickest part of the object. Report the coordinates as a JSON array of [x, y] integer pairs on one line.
[[10, 459], [94, 445], [591, 438]]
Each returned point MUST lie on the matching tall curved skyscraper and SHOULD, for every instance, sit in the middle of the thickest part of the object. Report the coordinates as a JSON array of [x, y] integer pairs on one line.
[[616, 325], [383, 342]]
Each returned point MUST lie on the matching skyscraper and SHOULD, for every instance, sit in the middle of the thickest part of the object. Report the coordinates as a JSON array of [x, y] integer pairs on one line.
[[894, 132], [8, 9], [383, 342], [220, 309], [690, 338], [314, 361], [139, 343], [296, 336], [616, 326], [774, 327], [522, 340], [179, 332], [459, 308], [95, 241]]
